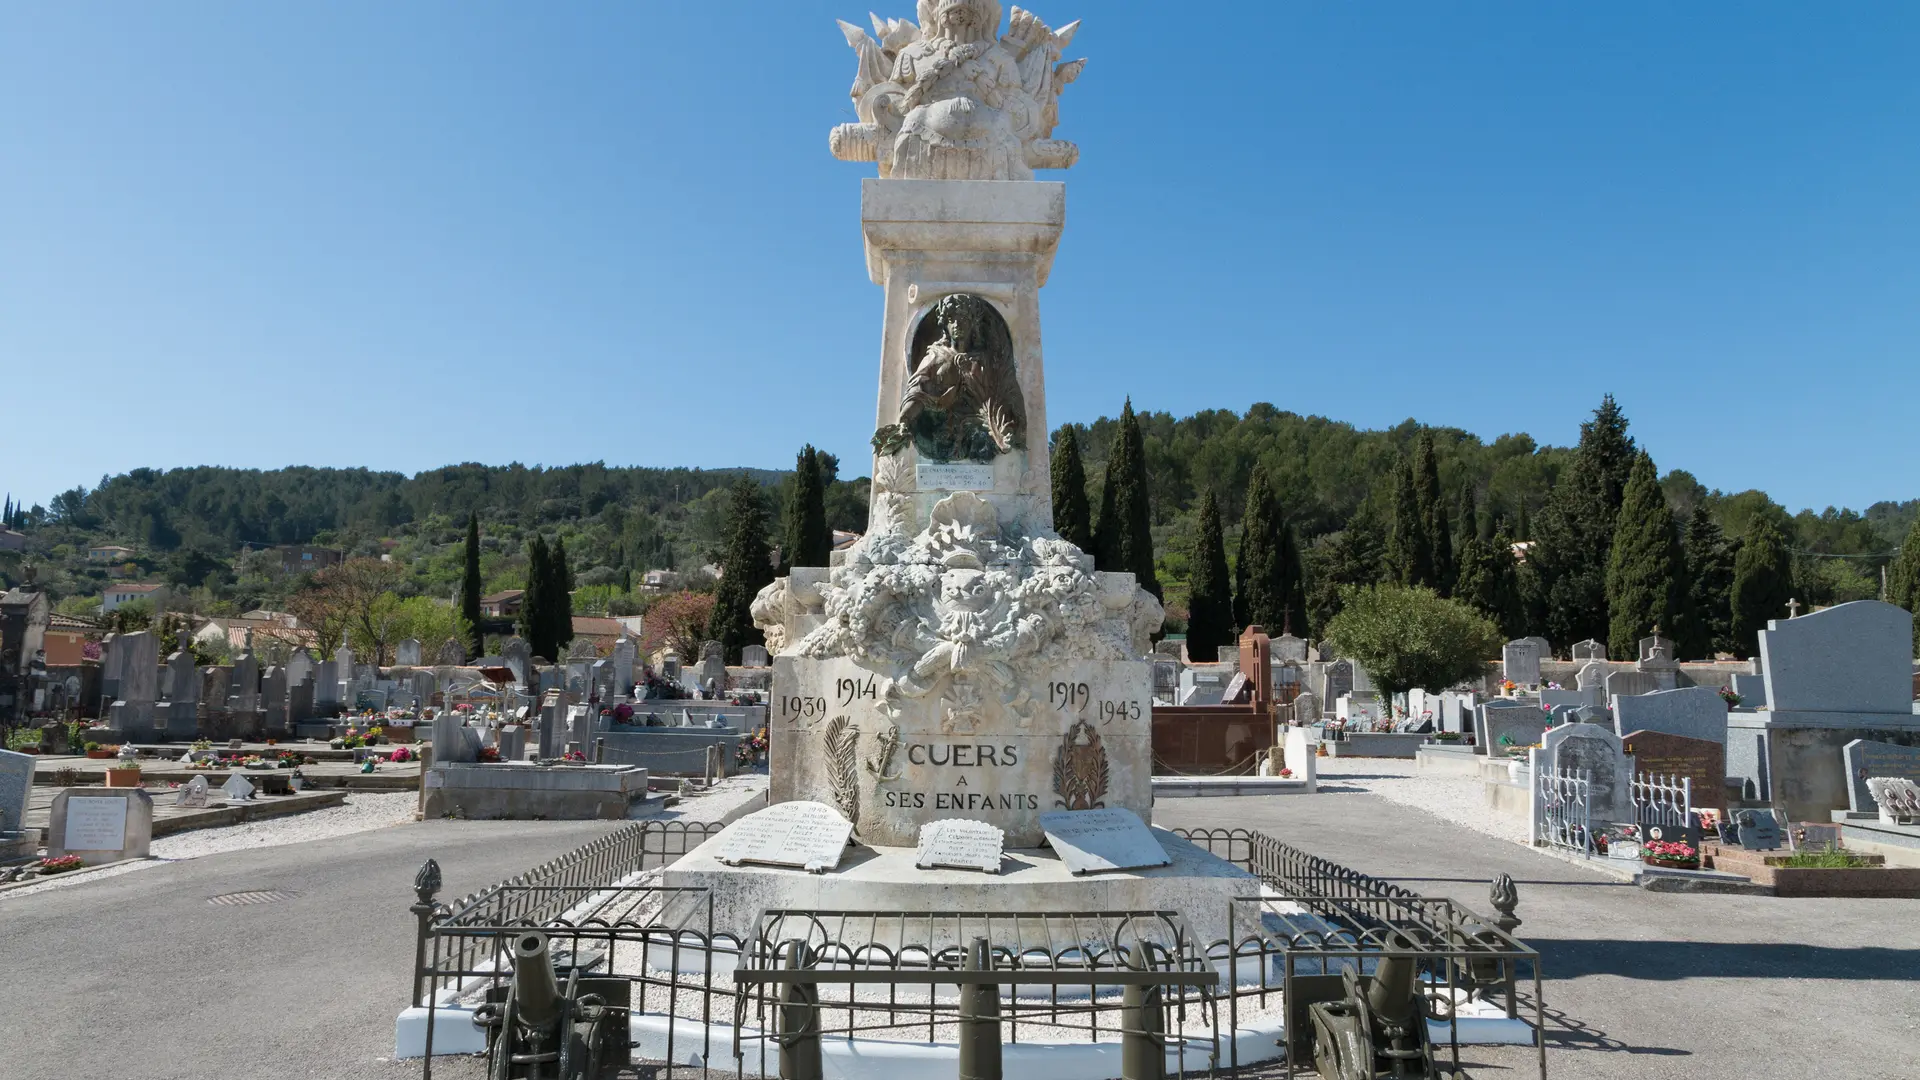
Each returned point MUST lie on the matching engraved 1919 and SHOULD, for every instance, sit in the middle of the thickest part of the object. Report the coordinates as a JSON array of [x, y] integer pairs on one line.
[[1069, 697]]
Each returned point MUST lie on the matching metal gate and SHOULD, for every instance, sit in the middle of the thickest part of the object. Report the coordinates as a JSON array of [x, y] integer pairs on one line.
[[1662, 800], [1562, 808]]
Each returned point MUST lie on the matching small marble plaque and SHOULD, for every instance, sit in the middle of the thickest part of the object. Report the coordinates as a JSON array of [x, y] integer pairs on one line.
[[809, 835], [194, 794], [237, 788], [955, 842], [95, 824], [953, 477], [1089, 841]]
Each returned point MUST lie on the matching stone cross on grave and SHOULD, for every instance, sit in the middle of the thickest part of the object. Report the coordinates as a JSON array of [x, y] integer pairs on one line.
[[1793, 609]]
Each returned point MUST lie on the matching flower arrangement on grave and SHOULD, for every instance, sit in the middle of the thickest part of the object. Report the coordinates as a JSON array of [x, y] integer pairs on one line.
[[1446, 736], [1508, 687], [1286, 774], [369, 765], [1727, 695], [1677, 856], [572, 755], [489, 754], [202, 744], [60, 865], [400, 756]]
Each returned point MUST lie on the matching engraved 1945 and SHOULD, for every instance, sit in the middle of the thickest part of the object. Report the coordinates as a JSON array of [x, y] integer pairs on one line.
[[1119, 710], [1070, 697], [856, 689]]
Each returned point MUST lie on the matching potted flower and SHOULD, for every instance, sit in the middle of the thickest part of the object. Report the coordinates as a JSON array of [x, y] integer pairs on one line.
[[202, 744], [1508, 687], [1727, 695], [126, 775], [61, 865], [489, 754], [400, 756], [101, 753], [1674, 856]]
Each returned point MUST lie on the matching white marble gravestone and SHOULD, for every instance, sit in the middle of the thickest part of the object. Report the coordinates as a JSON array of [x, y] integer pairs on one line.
[[192, 794], [16, 780], [961, 844], [1090, 841], [808, 835], [237, 789], [101, 825]]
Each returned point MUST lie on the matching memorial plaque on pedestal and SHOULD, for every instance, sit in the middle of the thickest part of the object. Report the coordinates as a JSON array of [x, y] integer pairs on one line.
[[1090, 841], [965, 845], [101, 827], [808, 835]]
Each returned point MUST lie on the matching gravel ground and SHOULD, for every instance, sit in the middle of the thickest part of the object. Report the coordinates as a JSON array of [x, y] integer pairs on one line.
[[1456, 800]]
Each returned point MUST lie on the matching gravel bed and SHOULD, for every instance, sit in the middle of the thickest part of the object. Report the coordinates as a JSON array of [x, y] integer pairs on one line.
[[1455, 799]]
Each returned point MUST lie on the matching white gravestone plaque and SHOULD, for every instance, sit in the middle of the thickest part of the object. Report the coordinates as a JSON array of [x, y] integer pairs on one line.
[[953, 477], [237, 788], [808, 835], [194, 794], [1089, 841], [96, 825], [966, 845]]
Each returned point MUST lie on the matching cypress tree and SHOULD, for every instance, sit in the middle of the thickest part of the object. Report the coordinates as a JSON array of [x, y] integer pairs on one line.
[[1705, 623], [533, 612], [746, 568], [1903, 578], [1072, 517], [1433, 515], [1356, 555], [1574, 533], [558, 599], [1409, 558], [1490, 581], [1123, 540], [1466, 524], [1271, 587], [1762, 582], [1644, 571], [470, 588], [1210, 593], [808, 540]]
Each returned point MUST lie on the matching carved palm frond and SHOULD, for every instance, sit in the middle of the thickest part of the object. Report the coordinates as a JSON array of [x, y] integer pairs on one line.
[[843, 778]]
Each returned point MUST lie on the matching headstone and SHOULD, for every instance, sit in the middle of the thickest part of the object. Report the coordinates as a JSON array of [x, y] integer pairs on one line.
[[625, 652], [1868, 758], [552, 733], [407, 653], [192, 794], [1300, 758], [300, 702], [300, 666], [513, 743], [1288, 649], [101, 825], [246, 684], [1503, 725], [1898, 799], [273, 699], [1758, 830], [754, 656], [1306, 708], [1090, 841], [16, 780], [1362, 681], [1657, 660], [1589, 650], [1633, 683], [326, 686], [960, 844], [139, 664], [1702, 761], [1592, 683], [183, 684], [452, 654], [1602, 755], [809, 835], [1694, 711], [1520, 662], [1339, 680], [1752, 689], [517, 656], [237, 789], [579, 728], [712, 670], [1854, 658], [450, 743]]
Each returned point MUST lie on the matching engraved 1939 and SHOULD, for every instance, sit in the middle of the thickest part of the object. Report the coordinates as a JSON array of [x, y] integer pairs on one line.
[[857, 689], [1069, 697], [802, 708]]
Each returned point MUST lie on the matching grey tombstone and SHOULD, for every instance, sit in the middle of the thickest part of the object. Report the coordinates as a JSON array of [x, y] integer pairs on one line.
[[1339, 680], [450, 743], [216, 685], [112, 659], [1657, 661], [1602, 756], [577, 677], [16, 780], [625, 652], [552, 714], [1698, 712], [452, 654], [1866, 759], [1520, 662], [960, 844], [343, 671], [299, 665], [753, 656], [600, 679], [517, 656], [1752, 688], [273, 699], [712, 671], [1517, 722], [513, 743], [407, 653], [579, 728], [101, 825], [237, 789], [808, 835], [1854, 658], [246, 684], [139, 665], [1592, 683], [300, 702], [1632, 684], [1306, 708], [1091, 841], [193, 794], [1288, 649], [1589, 650], [1758, 830]]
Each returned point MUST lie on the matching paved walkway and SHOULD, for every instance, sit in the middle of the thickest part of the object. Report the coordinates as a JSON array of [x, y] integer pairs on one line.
[[1640, 984]]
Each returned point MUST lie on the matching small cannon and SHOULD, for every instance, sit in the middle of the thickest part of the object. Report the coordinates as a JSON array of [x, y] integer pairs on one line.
[[1378, 1031], [539, 1030]]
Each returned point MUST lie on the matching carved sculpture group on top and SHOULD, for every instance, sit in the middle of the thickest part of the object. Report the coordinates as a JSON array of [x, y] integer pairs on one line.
[[946, 100], [962, 400]]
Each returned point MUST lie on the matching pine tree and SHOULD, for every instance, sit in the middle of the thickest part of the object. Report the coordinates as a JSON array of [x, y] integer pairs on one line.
[[1644, 569], [1072, 517], [1490, 581], [746, 568], [1209, 591], [558, 598], [1903, 579], [1123, 540], [470, 588], [1705, 623], [1409, 558], [533, 612], [808, 540], [1272, 589], [1433, 515], [1762, 582], [1356, 555], [1574, 533]]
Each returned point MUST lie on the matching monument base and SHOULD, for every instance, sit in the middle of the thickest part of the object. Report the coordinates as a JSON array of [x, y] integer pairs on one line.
[[490, 791], [1197, 885]]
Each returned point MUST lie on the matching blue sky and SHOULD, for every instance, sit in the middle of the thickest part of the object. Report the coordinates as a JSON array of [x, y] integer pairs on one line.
[[402, 235]]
